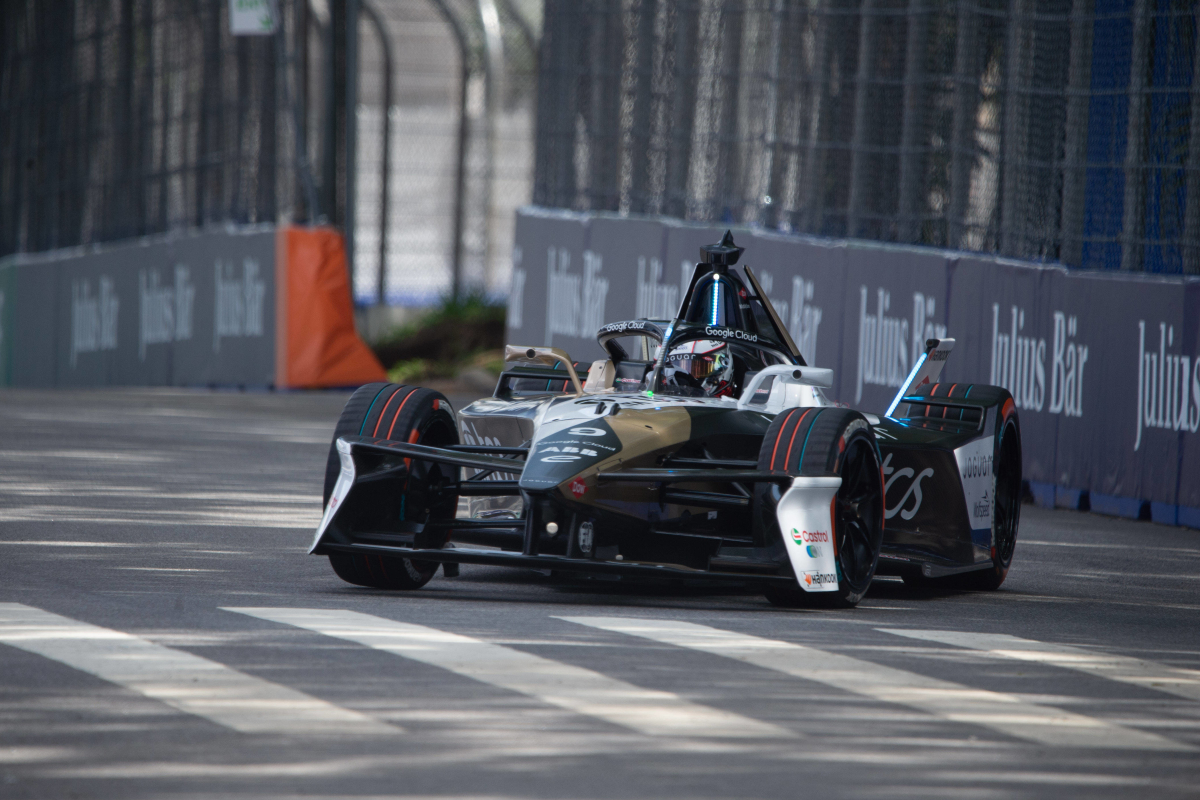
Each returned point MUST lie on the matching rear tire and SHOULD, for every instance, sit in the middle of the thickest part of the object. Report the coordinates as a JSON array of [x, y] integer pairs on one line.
[[398, 413], [1006, 514], [1006, 510], [833, 441]]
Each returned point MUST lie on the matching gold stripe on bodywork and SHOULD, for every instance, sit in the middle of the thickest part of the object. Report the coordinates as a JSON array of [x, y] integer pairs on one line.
[[643, 436]]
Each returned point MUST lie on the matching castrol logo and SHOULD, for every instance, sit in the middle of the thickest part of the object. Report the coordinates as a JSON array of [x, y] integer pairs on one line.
[[804, 537]]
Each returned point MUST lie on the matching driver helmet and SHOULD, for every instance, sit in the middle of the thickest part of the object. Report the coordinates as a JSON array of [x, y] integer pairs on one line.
[[705, 365]]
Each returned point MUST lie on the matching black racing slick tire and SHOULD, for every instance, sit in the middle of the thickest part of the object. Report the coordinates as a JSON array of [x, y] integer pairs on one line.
[[1005, 493], [350, 423], [831, 441], [1006, 509], [400, 413]]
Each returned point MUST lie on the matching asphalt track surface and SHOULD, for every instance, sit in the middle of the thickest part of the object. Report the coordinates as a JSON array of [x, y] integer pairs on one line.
[[163, 634]]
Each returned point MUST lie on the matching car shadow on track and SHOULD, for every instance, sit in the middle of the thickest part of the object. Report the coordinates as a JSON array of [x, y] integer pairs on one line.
[[530, 587], [894, 589]]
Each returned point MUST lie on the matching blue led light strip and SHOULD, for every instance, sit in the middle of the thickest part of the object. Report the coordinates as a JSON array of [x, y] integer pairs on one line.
[[716, 299], [907, 382]]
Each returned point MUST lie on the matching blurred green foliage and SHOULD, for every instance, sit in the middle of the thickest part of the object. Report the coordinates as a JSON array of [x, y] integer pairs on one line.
[[457, 334]]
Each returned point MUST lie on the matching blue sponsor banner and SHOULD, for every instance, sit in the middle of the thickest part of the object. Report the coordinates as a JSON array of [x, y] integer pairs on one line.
[[804, 278], [1103, 367], [184, 310], [550, 285], [1009, 331], [1188, 495], [629, 254], [682, 242], [894, 299], [1125, 443]]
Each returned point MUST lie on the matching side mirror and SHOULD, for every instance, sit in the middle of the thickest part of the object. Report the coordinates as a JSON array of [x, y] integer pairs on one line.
[[546, 356]]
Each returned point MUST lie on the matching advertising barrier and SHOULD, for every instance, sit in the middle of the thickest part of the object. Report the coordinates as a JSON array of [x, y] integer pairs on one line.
[[1003, 317], [1104, 367], [198, 309]]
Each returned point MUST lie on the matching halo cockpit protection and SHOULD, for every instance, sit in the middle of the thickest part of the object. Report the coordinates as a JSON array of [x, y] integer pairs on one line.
[[731, 328]]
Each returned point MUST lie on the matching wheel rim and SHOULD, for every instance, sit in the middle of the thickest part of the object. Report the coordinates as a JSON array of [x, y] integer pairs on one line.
[[426, 498], [1007, 504], [427, 480], [859, 514]]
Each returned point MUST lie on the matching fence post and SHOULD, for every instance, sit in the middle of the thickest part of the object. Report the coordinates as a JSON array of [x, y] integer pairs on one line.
[[1014, 146], [962, 136], [683, 110], [1079, 79], [911, 133], [352, 8], [385, 178], [1191, 223], [464, 51], [812, 218], [494, 88], [1134, 213], [859, 168]]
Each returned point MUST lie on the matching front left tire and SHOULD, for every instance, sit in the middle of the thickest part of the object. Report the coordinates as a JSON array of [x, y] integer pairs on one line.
[[408, 414]]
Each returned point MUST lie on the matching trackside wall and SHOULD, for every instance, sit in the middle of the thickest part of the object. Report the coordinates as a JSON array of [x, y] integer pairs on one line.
[[1103, 366], [255, 307]]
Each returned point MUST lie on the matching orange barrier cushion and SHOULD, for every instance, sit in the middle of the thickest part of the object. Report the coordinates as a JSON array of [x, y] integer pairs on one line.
[[316, 343]]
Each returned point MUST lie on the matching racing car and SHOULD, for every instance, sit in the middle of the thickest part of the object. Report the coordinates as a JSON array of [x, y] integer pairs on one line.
[[701, 449]]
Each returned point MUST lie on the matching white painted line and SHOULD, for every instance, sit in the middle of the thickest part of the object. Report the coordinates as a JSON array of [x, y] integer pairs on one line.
[[184, 681], [945, 699], [1150, 674], [574, 688]]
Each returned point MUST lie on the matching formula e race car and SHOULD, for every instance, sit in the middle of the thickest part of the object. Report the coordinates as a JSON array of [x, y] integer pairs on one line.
[[702, 448]]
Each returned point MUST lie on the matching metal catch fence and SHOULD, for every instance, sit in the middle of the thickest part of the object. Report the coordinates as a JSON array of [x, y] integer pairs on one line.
[[1061, 130], [122, 118], [432, 85], [131, 117]]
